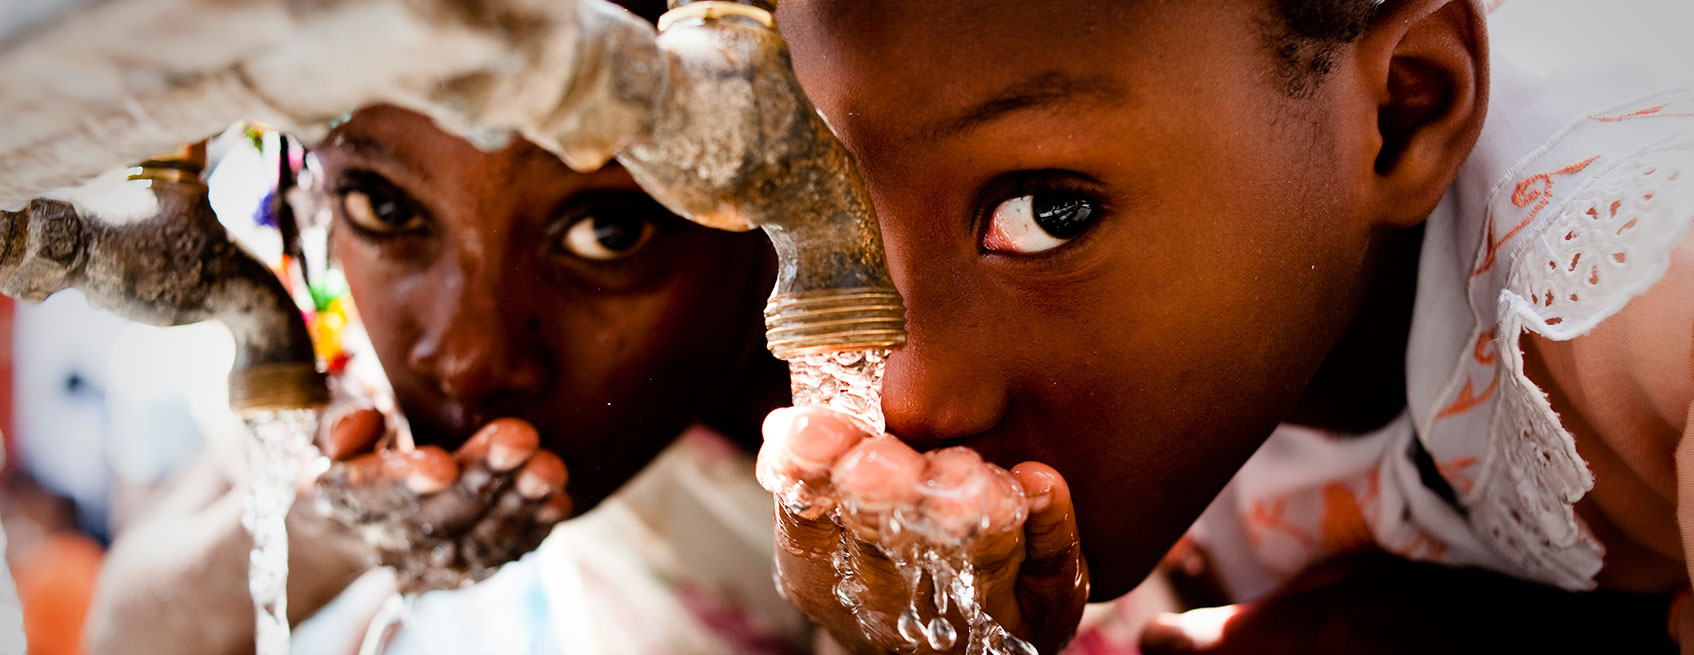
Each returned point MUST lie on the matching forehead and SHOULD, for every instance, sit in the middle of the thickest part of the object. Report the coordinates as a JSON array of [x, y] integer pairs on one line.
[[922, 62]]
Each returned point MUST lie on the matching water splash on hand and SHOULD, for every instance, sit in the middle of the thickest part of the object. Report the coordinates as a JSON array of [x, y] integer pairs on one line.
[[928, 540]]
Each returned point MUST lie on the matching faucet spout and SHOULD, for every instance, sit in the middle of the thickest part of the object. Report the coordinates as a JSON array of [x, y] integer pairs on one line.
[[735, 144], [176, 267]]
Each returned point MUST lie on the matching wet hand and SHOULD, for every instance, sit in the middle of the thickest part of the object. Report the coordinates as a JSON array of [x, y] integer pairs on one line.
[[840, 488], [442, 520]]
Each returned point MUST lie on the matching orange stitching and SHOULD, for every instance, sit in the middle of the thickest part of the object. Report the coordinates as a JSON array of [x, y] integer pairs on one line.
[[1270, 518], [1453, 471], [1650, 112], [1468, 398], [1344, 527], [1484, 356], [1434, 547], [1522, 195]]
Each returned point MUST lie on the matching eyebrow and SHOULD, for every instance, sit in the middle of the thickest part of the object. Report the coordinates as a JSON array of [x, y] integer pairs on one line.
[[376, 150], [1041, 91]]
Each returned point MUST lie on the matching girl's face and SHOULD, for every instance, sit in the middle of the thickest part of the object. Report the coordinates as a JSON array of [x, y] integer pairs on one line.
[[1124, 247], [503, 284]]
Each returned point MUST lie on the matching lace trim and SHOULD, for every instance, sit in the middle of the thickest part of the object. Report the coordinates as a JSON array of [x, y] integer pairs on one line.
[[1607, 243]]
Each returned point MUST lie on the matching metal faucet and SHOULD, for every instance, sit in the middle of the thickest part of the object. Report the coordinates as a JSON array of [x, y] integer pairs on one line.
[[176, 267], [705, 112], [708, 117]]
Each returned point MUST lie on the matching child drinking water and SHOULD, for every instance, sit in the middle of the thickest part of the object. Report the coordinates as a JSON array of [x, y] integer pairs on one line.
[[547, 334], [1443, 271]]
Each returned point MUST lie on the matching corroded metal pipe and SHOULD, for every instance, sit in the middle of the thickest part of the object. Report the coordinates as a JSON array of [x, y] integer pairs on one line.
[[176, 267], [735, 144], [706, 113]]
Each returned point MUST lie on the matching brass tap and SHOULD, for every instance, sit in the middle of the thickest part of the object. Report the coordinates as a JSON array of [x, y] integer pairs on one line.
[[735, 144], [176, 267]]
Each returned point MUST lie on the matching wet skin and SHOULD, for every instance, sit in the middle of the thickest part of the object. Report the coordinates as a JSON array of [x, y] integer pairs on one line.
[[503, 284], [1207, 238]]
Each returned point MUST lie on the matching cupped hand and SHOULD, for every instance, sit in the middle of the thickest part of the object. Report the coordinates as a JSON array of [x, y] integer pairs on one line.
[[442, 520], [841, 488]]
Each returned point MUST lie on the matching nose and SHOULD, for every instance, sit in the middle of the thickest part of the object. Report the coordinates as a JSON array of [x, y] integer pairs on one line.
[[480, 345], [946, 384]]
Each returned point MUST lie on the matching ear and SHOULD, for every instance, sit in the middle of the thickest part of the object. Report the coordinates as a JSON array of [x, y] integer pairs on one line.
[[1426, 62]]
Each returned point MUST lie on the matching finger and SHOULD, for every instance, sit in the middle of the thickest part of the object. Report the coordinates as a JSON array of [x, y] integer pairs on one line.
[[351, 433], [804, 570], [555, 509], [1193, 631], [454, 509], [375, 486], [521, 516], [801, 445], [964, 498], [880, 591], [876, 477], [1053, 580], [543, 476], [804, 442], [501, 446], [1054, 554], [486, 469]]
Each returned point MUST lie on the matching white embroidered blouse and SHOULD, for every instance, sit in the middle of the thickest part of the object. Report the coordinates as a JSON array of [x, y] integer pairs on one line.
[[1579, 188]]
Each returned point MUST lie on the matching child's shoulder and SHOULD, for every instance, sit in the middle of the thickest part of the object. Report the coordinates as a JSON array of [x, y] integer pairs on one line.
[[1570, 209]]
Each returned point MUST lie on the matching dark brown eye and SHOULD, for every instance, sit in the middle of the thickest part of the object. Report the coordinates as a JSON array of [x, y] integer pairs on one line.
[[375, 205], [1037, 222], [602, 238]]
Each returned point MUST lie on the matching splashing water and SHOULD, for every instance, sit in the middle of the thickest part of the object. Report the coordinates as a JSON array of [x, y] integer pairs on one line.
[[849, 381], [924, 546], [280, 446]]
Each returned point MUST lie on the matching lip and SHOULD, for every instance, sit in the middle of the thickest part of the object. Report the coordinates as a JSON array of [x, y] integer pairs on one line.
[[993, 449], [993, 446]]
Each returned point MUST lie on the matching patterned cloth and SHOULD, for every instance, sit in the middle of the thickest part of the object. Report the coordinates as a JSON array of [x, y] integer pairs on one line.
[[1580, 186]]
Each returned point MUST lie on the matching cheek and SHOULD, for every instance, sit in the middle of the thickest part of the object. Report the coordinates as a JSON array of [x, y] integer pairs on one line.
[[379, 289], [676, 342]]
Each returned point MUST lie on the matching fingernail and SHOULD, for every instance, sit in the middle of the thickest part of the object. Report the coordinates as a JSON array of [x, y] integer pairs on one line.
[[510, 443], [1039, 491], [819, 439], [424, 483], [503, 457], [429, 470], [552, 513], [778, 423], [533, 487], [1041, 500]]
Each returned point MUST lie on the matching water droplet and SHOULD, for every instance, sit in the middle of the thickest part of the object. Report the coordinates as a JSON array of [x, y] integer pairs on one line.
[[942, 634], [911, 627], [441, 555], [1015, 646], [848, 592]]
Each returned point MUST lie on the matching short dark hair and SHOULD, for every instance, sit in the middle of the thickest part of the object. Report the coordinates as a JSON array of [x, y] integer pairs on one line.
[[1304, 35]]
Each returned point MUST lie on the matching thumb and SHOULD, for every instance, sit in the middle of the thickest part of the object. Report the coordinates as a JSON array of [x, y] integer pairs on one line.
[[1053, 581], [352, 432]]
